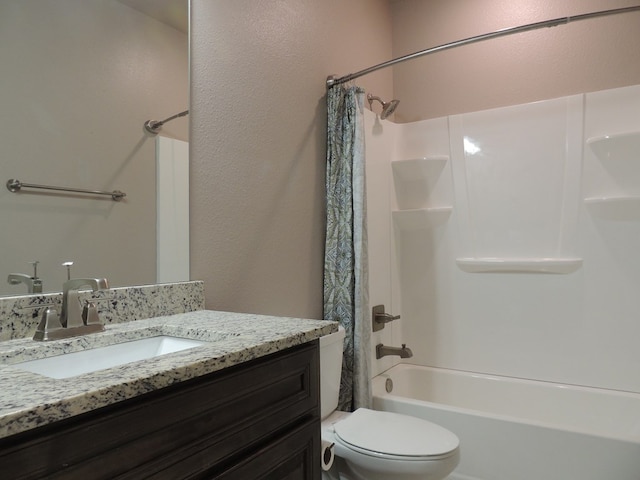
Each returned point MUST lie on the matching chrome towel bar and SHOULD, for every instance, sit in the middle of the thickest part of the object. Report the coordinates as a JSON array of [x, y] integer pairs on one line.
[[14, 186]]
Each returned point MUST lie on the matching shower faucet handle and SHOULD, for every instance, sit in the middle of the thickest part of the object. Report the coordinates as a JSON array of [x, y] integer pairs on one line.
[[379, 317]]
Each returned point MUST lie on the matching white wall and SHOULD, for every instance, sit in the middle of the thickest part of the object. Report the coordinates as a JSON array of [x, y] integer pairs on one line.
[[79, 79], [522, 197]]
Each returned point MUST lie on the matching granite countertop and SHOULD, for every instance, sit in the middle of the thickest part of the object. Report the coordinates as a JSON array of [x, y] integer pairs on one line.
[[29, 400]]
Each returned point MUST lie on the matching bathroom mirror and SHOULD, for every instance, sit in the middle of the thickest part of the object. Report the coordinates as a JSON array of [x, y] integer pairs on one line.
[[80, 78]]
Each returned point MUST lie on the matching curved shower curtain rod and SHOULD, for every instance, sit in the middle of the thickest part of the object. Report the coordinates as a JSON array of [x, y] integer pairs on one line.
[[334, 80]]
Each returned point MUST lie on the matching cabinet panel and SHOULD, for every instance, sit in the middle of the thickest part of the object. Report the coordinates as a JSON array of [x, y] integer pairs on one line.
[[292, 456]]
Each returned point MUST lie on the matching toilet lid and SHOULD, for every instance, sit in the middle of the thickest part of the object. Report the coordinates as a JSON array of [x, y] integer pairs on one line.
[[389, 433]]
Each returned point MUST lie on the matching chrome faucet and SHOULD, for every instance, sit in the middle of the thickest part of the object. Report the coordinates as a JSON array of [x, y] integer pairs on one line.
[[71, 315], [34, 284], [74, 320], [403, 352]]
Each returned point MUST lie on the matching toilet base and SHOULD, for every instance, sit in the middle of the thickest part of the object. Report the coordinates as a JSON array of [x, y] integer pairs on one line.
[[339, 471], [431, 470]]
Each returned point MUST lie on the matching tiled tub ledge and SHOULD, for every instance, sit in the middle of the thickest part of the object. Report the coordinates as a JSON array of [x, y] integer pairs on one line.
[[29, 400], [20, 315]]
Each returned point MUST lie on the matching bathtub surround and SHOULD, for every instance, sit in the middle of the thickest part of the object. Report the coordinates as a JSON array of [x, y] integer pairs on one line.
[[516, 174], [346, 290], [524, 188]]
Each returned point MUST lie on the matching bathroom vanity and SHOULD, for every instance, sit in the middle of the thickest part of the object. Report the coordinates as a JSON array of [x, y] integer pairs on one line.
[[243, 405]]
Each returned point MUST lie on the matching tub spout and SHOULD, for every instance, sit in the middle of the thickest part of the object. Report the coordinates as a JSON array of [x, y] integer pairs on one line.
[[403, 352]]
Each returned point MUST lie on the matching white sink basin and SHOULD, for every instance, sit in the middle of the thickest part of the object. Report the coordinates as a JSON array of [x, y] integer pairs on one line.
[[92, 360]]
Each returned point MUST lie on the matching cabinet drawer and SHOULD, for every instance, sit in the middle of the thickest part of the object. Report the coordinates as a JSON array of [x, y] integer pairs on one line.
[[293, 456]]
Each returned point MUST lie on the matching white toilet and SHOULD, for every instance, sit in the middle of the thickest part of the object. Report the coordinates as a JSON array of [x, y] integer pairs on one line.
[[374, 445]]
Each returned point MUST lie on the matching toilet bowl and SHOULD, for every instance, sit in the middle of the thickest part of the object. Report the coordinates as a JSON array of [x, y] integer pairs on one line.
[[389, 446], [375, 445]]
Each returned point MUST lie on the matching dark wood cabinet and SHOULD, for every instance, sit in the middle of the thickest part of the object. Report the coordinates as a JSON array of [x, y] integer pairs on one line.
[[256, 420]]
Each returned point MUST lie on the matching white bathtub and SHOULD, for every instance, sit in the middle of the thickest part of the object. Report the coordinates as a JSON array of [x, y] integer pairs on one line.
[[514, 429]]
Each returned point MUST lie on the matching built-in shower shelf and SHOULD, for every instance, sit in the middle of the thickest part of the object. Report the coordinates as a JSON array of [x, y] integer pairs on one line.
[[419, 168], [519, 265], [421, 218], [618, 147], [614, 200], [615, 207]]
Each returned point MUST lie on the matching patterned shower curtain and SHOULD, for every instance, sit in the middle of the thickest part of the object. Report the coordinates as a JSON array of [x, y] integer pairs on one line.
[[346, 284]]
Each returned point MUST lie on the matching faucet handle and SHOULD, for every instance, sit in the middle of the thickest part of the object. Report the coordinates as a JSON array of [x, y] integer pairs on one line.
[[379, 318], [90, 314], [68, 265], [49, 323], [37, 282], [35, 268]]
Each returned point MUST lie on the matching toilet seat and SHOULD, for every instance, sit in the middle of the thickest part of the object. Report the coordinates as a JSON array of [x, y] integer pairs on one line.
[[394, 436]]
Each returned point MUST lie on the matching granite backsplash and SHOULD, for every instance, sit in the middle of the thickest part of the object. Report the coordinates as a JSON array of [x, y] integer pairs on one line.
[[20, 315]]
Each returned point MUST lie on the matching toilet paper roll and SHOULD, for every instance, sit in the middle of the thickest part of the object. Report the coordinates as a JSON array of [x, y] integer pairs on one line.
[[327, 455]]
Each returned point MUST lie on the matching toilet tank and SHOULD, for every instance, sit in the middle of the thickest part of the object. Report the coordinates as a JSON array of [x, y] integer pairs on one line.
[[330, 370]]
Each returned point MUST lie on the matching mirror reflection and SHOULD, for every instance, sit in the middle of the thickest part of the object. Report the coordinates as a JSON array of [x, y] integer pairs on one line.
[[80, 79]]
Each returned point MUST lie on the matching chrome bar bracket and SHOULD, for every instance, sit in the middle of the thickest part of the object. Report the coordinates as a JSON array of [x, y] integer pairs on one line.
[[153, 126]]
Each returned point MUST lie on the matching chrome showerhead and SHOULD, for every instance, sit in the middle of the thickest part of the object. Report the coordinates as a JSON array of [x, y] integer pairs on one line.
[[387, 107]]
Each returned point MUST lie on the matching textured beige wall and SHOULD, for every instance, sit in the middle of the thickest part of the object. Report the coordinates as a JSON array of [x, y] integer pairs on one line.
[[79, 78], [584, 56], [258, 120]]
